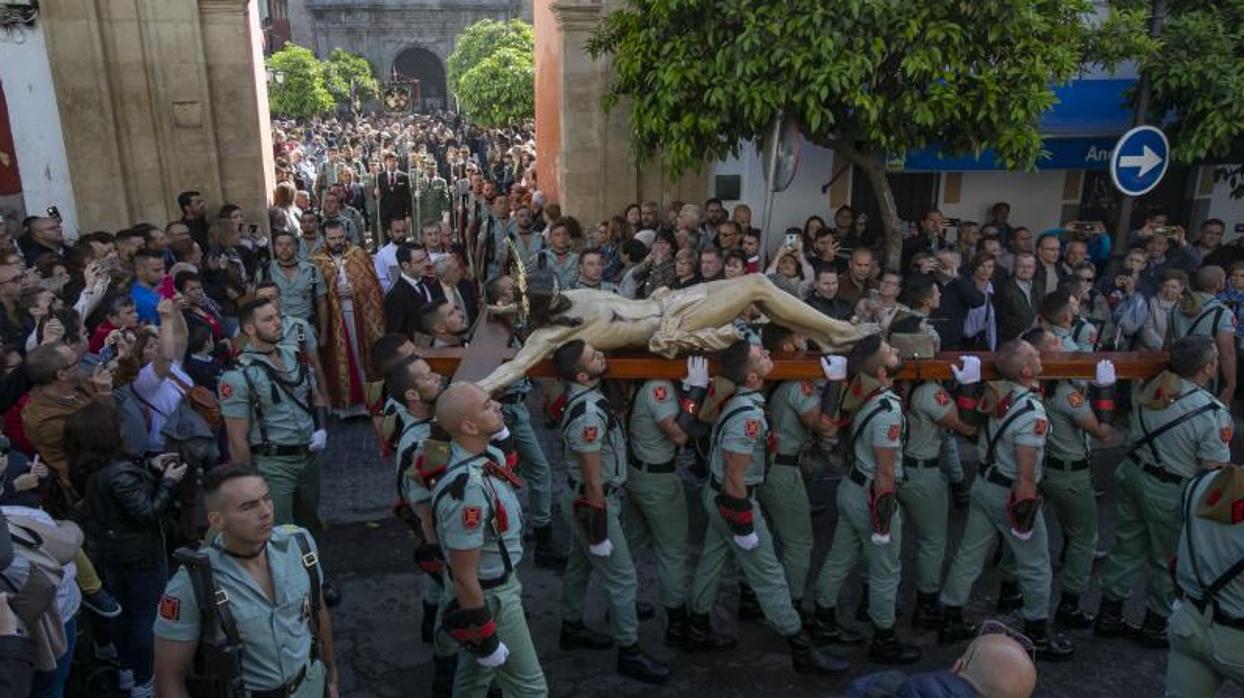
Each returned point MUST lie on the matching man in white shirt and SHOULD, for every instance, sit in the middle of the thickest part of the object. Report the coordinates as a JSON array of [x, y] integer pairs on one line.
[[162, 384], [387, 268]]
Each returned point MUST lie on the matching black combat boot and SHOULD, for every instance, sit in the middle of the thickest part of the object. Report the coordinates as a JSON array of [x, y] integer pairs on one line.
[[954, 629], [1153, 632], [701, 638], [749, 605], [928, 615], [805, 616], [676, 626], [807, 659], [886, 648], [645, 610], [1111, 623], [638, 665], [861, 611], [548, 556], [1009, 598], [443, 675], [1070, 615], [826, 630], [577, 636], [428, 627], [1052, 648]]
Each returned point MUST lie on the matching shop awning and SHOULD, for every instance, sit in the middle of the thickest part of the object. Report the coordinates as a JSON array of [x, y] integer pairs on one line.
[[1080, 130]]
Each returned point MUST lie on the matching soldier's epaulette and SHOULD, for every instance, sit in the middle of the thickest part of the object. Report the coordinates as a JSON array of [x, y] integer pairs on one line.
[[457, 487]]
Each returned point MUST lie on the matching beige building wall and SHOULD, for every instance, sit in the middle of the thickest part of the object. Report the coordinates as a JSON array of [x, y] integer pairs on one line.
[[159, 96], [589, 164]]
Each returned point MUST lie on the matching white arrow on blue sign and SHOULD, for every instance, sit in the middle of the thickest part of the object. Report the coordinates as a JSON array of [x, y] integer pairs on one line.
[[1139, 160]]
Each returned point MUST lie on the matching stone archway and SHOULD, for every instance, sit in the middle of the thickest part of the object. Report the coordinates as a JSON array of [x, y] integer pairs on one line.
[[421, 64]]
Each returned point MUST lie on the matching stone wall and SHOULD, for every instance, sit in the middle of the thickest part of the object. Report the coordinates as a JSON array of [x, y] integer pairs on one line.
[[159, 96]]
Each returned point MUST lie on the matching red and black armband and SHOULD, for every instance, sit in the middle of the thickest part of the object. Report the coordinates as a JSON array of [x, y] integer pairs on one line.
[[967, 399], [593, 520], [1022, 514], [737, 513], [473, 628], [882, 506], [690, 400], [1101, 399], [831, 398], [431, 559]]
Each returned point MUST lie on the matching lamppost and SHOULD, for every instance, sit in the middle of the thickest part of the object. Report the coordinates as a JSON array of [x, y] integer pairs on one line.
[[277, 76]]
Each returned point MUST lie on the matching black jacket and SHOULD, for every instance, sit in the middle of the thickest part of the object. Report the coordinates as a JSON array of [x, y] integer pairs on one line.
[[394, 198], [836, 308], [402, 305], [17, 665], [959, 296], [126, 505], [1016, 313]]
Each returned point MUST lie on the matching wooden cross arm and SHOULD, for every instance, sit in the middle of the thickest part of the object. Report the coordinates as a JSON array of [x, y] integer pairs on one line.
[[634, 365]]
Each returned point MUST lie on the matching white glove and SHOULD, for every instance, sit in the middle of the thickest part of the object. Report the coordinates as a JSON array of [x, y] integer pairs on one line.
[[697, 372], [319, 441], [602, 549], [971, 371], [834, 367], [1105, 374], [747, 542], [880, 539], [502, 435], [497, 658], [1020, 535]]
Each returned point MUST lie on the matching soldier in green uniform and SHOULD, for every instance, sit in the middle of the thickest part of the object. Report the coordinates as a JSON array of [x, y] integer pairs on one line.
[[270, 576], [1177, 428], [1201, 313], [1068, 482], [591, 272], [869, 520], [595, 447], [418, 187], [299, 282], [413, 382], [795, 415], [738, 455], [295, 331], [656, 513], [436, 195], [558, 257], [1004, 500], [533, 463], [274, 415], [1058, 314], [479, 527], [1207, 626]]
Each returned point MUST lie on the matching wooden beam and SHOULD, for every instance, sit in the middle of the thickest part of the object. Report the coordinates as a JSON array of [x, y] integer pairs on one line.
[[807, 366]]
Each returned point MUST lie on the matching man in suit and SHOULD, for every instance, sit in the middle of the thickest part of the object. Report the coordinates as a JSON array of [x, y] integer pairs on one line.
[[451, 284], [394, 193], [403, 302], [1017, 298]]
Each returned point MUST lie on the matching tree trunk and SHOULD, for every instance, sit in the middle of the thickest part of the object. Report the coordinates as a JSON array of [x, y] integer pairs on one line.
[[870, 161]]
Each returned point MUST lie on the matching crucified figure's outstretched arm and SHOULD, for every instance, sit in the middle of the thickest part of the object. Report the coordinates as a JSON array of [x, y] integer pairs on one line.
[[539, 344]]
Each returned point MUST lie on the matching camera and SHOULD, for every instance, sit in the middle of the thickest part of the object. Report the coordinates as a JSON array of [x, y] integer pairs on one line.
[[792, 240]]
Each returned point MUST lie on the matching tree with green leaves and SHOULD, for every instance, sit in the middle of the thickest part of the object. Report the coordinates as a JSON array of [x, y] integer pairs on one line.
[[866, 78], [500, 90], [301, 91], [341, 68], [1192, 66], [480, 40]]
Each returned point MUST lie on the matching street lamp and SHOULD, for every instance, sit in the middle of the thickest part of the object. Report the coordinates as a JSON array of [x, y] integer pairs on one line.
[[276, 76]]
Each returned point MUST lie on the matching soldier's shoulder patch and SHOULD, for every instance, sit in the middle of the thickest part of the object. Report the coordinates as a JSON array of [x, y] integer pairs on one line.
[[170, 607], [589, 434], [660, 393], [942, 397], [751, 428], [807, 388], [894, 432], [1075, 398], [226, 390], [471, 517], [1040, 426], [1225, 434]]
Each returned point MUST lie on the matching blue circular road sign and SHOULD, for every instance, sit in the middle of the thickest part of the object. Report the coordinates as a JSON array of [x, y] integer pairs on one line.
[[1139, 160]]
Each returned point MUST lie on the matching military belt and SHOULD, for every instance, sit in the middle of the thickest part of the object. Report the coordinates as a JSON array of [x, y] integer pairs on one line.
[[1162, 474], [487, 584], [918, 463], [278, 450], [858, 477], [1068, 465], [786, 459], [997, 478], [288, 689], [714, 483], [654, 468], [1219, 616]]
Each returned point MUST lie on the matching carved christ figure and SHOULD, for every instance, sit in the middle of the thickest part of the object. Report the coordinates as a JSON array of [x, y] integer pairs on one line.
[[697, 318]]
